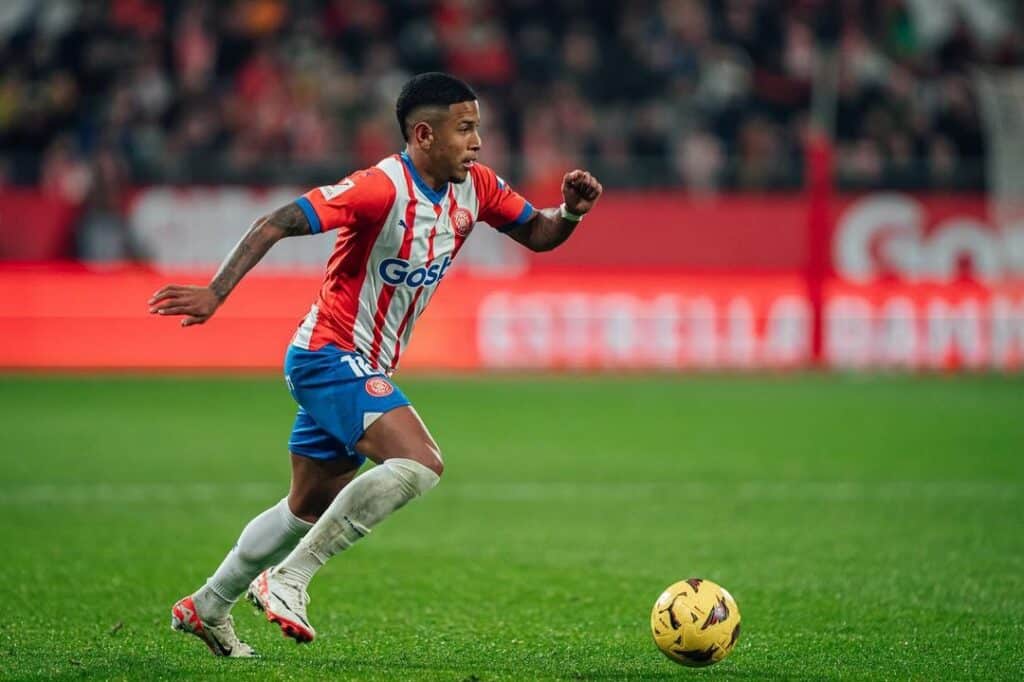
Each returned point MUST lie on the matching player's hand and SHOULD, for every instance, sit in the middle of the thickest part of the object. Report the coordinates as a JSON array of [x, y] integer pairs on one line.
[[197, 303], [580, 190]]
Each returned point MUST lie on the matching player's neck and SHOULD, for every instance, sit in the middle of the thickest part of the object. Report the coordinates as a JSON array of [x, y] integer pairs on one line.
[[422, 165]]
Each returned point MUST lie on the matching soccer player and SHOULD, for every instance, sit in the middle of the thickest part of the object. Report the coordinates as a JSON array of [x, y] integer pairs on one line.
[[400, 224]]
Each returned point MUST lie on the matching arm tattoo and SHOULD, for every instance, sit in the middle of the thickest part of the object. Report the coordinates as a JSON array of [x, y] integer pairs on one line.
[[291, 220], [286, 221]]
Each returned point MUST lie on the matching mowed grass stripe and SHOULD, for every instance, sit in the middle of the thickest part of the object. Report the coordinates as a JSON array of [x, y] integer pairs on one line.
[[825, 491]]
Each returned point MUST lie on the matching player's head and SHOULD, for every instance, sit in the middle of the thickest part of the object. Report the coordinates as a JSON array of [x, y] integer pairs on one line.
[[440, 117]]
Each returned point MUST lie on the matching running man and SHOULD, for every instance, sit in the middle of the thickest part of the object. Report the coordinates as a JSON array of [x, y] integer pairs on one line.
[[400, 224]]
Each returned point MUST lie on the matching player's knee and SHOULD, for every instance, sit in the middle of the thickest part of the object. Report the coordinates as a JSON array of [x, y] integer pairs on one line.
[[426, 455], [307, 514], [430, 457], [436, 465], [310, 514], [309, 507], [415, 477]]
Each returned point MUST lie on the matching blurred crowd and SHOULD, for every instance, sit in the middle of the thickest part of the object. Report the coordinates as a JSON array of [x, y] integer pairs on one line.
[[707, 95]]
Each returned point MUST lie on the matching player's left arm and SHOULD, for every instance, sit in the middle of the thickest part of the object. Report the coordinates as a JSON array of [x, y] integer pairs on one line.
[[549, 227]]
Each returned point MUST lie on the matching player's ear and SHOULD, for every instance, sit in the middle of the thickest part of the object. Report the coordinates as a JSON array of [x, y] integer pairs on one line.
[[423, 135]]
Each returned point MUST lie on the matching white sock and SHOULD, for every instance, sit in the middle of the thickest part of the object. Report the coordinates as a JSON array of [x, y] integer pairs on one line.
[[266, 540], [360, 506]]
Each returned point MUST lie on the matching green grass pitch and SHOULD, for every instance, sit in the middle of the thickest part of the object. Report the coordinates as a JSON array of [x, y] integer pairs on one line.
[[869, 528]]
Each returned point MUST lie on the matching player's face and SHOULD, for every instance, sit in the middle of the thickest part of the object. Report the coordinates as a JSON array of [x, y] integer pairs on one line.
[[458, 141]]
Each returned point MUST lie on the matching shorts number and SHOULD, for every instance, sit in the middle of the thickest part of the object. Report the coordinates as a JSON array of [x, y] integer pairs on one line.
[[359, 366]]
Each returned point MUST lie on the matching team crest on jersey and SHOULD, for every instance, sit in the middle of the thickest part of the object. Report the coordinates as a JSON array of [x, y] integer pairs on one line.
[[378, 387], [462, 222], [331, 191]]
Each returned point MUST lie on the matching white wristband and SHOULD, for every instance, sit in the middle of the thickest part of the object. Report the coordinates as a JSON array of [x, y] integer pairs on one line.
[[568, 215]]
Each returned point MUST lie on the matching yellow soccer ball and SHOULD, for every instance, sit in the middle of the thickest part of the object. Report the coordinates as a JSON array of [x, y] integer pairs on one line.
[[695, 622]]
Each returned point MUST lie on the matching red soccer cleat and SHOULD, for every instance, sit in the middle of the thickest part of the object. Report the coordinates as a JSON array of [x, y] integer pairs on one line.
[[284, 603], [219, 637]]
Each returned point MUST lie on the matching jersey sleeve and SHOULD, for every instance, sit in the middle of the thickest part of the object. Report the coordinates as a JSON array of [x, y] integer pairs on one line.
[[499, 205], [363, 198]]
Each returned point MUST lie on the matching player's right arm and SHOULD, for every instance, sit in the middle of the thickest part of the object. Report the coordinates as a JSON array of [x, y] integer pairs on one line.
[[360, 200], [197, 303]]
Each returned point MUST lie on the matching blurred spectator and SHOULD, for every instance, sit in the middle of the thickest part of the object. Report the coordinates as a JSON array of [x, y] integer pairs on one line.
[[65, 173], [194, 48], [699, 162], [103, 234], [708, 95]]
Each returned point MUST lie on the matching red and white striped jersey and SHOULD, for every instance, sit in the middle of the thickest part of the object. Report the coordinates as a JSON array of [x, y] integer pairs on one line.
[[396, 239]]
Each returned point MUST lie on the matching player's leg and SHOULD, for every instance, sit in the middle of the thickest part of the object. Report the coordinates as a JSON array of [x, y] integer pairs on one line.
[[316, 482], [267, 538], [370, 415], [206, 613], [408, 465], [401, 434]]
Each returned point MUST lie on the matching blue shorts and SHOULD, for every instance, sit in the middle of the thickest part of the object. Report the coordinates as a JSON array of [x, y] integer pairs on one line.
[[339, 396]]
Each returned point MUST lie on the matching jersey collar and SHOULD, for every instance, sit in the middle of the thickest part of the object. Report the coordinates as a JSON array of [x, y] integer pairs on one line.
[[436, 196]]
